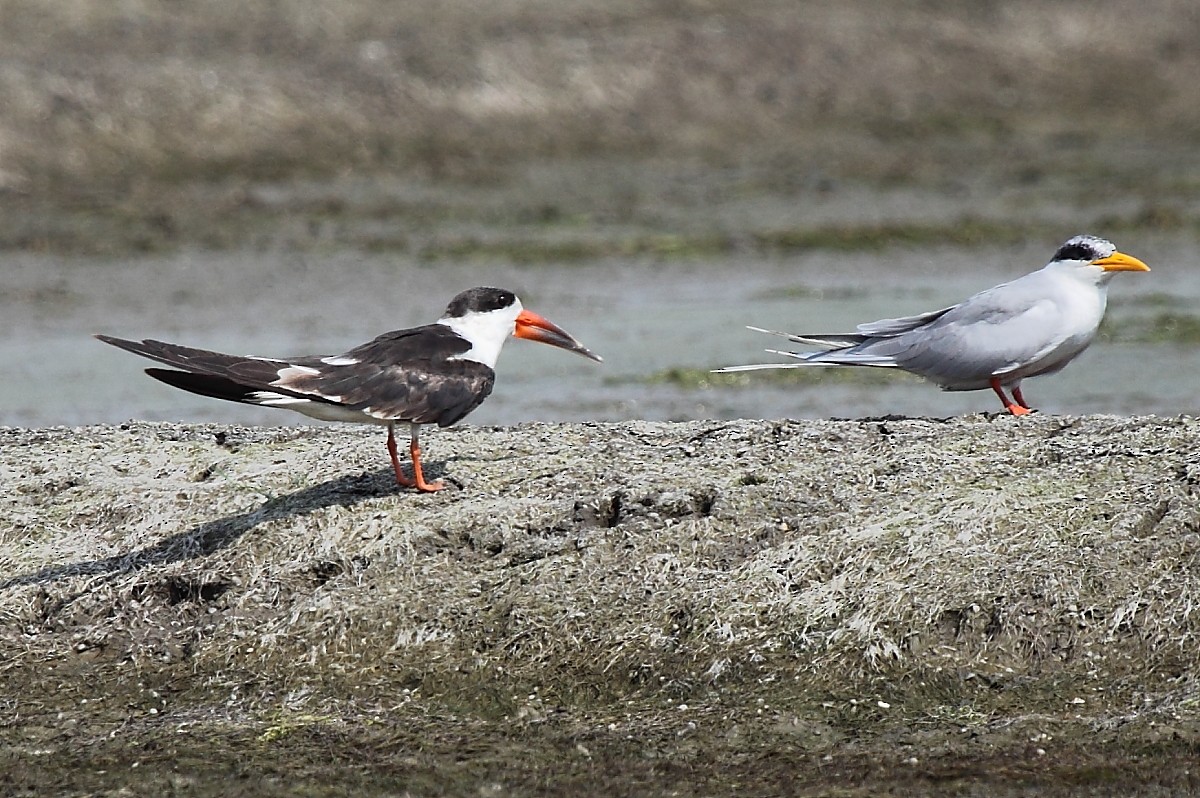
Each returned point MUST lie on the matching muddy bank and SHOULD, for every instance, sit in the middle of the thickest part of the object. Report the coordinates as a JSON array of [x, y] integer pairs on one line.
[[709, 607], [443, 129]]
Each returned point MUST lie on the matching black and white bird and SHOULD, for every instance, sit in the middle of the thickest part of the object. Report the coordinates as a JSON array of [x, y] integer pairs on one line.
[[1034, 325], [433, 374]]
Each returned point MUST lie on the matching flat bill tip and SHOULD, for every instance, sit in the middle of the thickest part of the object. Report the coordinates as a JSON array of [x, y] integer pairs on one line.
[[533, 327]]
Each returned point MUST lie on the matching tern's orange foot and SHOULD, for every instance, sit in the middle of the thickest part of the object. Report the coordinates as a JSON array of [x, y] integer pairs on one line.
[[1017, 408], [429, 487]]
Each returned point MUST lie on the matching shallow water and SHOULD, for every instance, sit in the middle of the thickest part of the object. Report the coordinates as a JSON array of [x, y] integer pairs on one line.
[[642, 316]]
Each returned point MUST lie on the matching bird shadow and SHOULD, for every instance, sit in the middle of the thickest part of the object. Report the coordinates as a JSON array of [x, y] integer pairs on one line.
[[211, 536]]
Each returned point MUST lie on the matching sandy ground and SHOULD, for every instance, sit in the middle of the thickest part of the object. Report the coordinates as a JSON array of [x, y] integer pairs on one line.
[[707, 608]]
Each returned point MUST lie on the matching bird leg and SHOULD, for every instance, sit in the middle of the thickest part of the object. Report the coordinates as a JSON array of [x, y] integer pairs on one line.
[[1016, 392], [391, 447], [1018, 407], [414, 449]]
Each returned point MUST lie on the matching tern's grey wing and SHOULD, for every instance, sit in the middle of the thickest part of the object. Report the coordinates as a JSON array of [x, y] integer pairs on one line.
[[996, 332], [886, 328], [971, 352]]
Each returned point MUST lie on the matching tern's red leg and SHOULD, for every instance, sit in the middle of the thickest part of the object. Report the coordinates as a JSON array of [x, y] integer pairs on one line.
[[414, 449], [391, 446], [1020, 399], [1012, 407]]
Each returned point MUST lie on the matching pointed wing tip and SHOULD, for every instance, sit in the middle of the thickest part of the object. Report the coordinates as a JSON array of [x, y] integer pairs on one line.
[[124, 343], [753, 367], [781, 334], [121, 343]]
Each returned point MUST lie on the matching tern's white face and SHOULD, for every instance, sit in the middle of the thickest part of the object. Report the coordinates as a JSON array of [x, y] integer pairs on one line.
[[486, 330]]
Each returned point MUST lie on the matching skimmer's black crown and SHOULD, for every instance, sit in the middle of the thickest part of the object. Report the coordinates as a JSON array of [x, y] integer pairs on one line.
[[1085, 248], [479, 300]]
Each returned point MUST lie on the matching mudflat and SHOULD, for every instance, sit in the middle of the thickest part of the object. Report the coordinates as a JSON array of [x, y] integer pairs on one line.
[[703, 608]]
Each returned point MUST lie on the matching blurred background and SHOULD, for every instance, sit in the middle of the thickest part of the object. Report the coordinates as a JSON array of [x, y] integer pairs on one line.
[[295, 178]]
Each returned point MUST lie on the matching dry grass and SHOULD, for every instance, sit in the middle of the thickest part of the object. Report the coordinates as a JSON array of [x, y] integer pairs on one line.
[[550, 131], [128, 96], [722, 587], [674, 558]]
